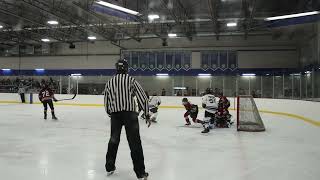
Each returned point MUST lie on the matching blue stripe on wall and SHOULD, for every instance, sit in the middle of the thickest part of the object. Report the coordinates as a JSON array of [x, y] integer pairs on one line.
[[110, 72]]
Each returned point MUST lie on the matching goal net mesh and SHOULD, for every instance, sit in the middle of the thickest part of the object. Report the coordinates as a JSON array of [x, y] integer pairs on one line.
[[248, 117]]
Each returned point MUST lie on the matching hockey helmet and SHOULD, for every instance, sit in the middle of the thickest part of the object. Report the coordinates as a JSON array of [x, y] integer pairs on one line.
[[209, 91], [185, 100], [122, 66]]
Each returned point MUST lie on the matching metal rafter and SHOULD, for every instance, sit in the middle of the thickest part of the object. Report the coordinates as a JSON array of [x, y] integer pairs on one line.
[[36, 23], [185, 15], [21, 35], [213, 10], [248, 11], [79, 22], [105, 20], [180, 19], [53, 12]]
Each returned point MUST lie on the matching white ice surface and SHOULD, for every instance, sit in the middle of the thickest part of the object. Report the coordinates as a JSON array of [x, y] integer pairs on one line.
[[74, 148]]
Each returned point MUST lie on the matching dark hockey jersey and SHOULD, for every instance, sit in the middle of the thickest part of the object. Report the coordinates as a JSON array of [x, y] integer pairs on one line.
[[46, 94]]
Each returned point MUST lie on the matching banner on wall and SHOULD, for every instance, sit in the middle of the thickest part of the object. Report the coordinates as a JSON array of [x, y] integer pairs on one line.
[[214, 58], [186, 60], [160, 60], [223, 60], [169, 60], [205, 61], [178, 61], [134, 60], [143, 60], [232, 60], [152, 60]]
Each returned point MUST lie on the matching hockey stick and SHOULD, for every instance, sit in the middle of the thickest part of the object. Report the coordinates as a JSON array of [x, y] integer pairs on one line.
[[68, 98]]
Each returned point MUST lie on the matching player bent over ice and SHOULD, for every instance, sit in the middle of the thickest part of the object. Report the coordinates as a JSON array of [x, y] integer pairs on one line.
[[192, 111], [223, 117], [154, 103], [46, 96], [210, 105]]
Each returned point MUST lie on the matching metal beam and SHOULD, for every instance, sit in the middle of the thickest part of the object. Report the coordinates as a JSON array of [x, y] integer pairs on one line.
[[180, 19], [106, 20], [213, 10], [52, 12], [40, 23], [249, 11]]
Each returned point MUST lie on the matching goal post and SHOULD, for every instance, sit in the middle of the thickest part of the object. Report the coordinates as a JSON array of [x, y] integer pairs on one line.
[[248, 116]]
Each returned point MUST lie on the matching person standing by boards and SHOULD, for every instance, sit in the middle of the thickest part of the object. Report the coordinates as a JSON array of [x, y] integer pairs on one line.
[[121, 107], [46, 96]]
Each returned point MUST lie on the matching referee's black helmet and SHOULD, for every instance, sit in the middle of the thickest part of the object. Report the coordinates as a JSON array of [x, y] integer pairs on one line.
[[122, 66]]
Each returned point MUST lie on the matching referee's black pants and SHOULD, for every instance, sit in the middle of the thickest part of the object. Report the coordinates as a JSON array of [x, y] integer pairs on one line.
[[131, 124]]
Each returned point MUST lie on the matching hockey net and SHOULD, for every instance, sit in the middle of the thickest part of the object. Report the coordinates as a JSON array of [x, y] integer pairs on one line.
[[248, 117]]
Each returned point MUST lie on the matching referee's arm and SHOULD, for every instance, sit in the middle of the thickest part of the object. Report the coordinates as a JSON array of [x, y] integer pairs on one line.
[[141, 97], [106, 100]]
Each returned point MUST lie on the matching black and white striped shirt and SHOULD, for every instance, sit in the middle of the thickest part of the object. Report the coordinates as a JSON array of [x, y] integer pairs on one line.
[[120, 92]]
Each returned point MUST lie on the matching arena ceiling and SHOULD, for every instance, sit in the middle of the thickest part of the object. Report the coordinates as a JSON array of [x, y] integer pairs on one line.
[[26, 21]]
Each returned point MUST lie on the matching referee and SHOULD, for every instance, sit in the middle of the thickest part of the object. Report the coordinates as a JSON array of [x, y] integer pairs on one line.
[[121, 107]]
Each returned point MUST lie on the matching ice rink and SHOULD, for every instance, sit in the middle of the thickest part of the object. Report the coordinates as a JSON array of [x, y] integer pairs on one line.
[[74, 147]]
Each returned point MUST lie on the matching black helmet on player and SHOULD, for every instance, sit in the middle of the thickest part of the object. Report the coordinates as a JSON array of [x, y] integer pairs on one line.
[[122, 66], [185, 100], [209, 91]]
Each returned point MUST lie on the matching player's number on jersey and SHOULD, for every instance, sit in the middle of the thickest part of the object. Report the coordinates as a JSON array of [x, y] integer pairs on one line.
[[45, 94], [212, 100]]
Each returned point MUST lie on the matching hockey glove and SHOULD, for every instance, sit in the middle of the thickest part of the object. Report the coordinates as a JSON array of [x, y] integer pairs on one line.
[[148, 121]]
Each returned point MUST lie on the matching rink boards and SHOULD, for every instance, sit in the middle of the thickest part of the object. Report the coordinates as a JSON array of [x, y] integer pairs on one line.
[[306, 111]]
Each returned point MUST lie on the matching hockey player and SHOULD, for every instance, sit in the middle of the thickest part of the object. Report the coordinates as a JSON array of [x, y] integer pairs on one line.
[[154, 103], [46, 96], [223, 117], [210, 105], [192, 111], [143, 116]]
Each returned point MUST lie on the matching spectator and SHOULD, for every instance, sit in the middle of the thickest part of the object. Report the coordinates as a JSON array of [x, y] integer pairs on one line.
[[163, 92]]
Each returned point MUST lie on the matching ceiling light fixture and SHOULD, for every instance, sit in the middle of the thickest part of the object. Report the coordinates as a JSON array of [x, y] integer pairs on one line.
[[77, 74], [92, 38], [172, 35], [292, 16], [53, 22], [233, 24], [45, 40], [1, 26], [249, 75], [152, 17], [162, 74], [113, 6]]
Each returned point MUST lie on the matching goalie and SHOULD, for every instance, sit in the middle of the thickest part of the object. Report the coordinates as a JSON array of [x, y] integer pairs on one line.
[[154, 103], [210, 105]]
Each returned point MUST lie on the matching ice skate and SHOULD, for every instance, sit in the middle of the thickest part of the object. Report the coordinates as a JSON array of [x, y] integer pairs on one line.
[[206, 130], [144, 177], [110, 173]]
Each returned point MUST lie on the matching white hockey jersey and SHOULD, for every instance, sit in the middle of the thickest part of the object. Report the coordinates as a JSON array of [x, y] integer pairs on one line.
[[211, 105], [154, 101]]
